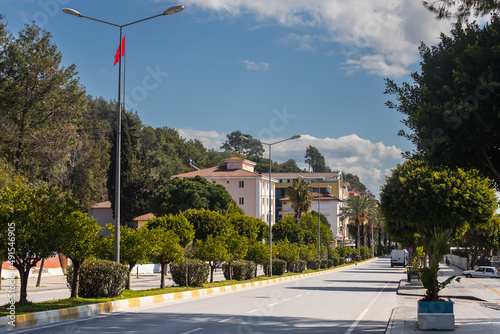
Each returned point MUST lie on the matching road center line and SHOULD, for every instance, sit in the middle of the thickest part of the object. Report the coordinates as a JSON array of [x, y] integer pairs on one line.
[[285, 300], [227, 319], [358, 319], [252, 311], [298, 296]]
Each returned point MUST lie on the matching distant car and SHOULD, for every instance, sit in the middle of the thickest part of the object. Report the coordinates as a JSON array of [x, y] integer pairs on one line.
[[399, 257], [482, 272]]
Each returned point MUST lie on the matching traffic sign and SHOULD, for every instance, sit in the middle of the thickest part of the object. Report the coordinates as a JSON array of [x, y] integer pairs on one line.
[[410, 249]]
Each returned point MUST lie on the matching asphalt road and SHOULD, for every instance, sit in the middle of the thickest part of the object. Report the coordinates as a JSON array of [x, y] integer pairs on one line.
[[354, 300]]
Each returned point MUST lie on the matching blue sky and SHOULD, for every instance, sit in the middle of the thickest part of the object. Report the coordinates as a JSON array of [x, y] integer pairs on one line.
[[270, 68]]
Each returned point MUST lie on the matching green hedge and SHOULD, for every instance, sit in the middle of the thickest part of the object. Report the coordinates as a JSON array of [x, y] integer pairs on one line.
[[279, 267], [99, 279], [314, 264], [297, 267], [198, 272], [242, 270]]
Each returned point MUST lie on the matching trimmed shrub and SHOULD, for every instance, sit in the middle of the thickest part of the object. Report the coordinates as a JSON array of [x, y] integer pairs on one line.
[[297, 267], [341, 260], [323, 264], [279, 267], [242, 270], [314, 264], [100, 279], [330, 264], [198, 272]]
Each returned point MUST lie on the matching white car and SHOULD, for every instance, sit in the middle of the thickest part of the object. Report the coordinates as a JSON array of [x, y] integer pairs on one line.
[[482, 272]]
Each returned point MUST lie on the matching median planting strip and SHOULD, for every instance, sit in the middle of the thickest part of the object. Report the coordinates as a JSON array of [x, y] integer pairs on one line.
[[48, 317]]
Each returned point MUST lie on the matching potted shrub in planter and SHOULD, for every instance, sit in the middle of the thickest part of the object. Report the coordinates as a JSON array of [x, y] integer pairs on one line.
[[433, 311]]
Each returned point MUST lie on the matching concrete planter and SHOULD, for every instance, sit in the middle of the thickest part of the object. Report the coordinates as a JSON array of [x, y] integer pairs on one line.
[[436, 316]]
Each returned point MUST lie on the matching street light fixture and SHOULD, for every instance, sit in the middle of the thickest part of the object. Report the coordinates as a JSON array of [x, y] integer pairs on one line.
[[169, 11], [270, 198]]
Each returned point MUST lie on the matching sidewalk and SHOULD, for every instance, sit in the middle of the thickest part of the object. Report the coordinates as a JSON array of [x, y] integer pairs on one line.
[[468, 295]]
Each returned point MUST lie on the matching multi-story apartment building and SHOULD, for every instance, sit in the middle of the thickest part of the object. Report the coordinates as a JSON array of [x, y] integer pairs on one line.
[[250, 190]]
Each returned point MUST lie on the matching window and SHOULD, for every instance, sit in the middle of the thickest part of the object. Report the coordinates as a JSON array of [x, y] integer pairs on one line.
[[213, 182], [227, 182], [241, 200], [241, 184]]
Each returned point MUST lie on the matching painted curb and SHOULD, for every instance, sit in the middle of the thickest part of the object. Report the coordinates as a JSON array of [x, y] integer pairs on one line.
[[48, 317]]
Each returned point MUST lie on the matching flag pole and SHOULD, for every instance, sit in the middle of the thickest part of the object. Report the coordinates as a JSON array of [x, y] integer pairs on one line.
[[118, 158], [124, 72]]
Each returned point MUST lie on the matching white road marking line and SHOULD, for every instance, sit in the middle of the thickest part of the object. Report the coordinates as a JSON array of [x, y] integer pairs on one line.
[[308, 292], [358, 319], [193, 330], [297, 296], [272, 304], [224, 320], [252, 311], [285, 300]]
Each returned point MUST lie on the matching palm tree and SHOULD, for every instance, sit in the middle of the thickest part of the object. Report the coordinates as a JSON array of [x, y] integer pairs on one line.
[[300, 196], [358, 208]]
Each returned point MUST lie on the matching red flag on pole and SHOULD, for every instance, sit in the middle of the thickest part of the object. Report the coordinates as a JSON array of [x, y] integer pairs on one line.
[[118, 53]]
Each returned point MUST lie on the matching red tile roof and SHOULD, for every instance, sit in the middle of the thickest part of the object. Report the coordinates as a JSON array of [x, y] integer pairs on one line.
[[220, 171], [147, 216], [102, 205]]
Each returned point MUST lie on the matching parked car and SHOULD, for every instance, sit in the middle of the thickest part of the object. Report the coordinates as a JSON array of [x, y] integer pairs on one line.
[[482, 272]]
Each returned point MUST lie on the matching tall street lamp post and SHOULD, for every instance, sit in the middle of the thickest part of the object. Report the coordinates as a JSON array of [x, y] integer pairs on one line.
[[169, 11], [270, 213]]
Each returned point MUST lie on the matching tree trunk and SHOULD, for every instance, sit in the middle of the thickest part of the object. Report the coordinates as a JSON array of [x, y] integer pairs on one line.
[[357, 236], [187, 272], [24, 274], [131, 266], [212, 267], [1, 264], [39, 280], [63, 268], [162, 283], [76, 279]]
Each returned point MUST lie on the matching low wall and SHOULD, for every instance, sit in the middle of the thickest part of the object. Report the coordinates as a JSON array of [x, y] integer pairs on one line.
[[460, 262]]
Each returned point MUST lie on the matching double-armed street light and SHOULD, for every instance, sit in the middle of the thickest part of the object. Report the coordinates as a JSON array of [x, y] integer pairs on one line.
[[270, 198], [169, 11]]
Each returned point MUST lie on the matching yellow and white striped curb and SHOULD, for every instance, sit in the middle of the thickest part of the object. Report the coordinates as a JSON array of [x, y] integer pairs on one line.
[[48, 317]]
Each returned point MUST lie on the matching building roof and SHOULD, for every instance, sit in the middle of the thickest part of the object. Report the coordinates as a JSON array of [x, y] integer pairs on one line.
[[147, 216], [102, 205], [220, 171], [305, 175], [323, 197]]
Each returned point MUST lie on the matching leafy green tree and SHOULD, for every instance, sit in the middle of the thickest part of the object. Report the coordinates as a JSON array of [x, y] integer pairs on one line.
[[418, 199], [354, 182], [164, 249], [179, 224], [451, 108], [300, 196], [178, 195], [134, 246], [235, 143], [35, 215], [307, 252], [214, 251], [462, 9], [237, 247], [287, 229], [89, 160], [309, 223], [258, 252], [315, 160], [40, 104], [481, 239], [358, 208], [80, 242], [207, 223], [248, 227], [287, 251], [289, 166]]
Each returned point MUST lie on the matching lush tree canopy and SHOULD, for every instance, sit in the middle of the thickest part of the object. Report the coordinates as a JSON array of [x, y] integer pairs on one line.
[[315, 160], [178, 195], [235, 143], [300, 196], [418, 198], [40, 104], [452, 108]]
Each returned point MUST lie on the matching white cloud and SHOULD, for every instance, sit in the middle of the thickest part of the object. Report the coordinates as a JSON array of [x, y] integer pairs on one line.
[[210, 139], [380, 36], [370, 161], [253, 66]]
